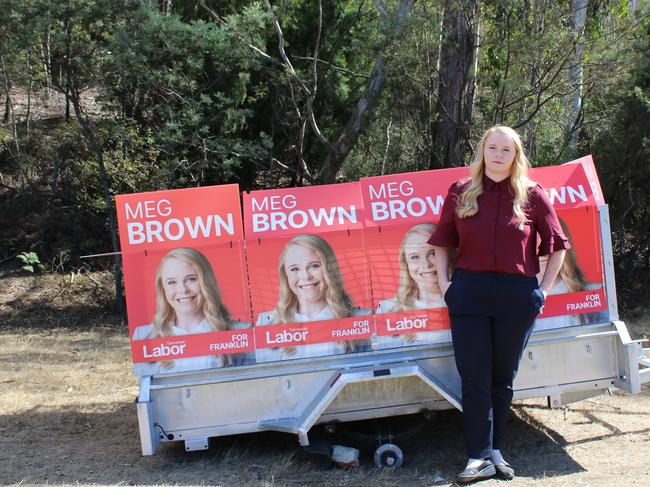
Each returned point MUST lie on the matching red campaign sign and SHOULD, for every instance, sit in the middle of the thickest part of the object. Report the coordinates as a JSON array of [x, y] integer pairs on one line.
[[418, 196], [169, 348], [286, 335], [575, 303], [310, 209], [185, 278], [567, 186], [408, 197], [179, 218], [412, 321], [589, 167]]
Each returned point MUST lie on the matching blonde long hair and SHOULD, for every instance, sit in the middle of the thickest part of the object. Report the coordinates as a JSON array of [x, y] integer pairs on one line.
[[216, 314], [519, 180], [570, 273], [407, 292], [336, 297]]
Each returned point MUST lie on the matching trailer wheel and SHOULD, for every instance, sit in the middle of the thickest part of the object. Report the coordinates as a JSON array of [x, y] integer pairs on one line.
[[389, 456]]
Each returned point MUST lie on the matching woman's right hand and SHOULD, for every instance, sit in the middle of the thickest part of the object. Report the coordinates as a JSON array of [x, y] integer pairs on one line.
[[442, 264]]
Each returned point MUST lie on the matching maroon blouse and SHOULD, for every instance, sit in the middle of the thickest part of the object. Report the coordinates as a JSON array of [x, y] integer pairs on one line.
[[490, 240]]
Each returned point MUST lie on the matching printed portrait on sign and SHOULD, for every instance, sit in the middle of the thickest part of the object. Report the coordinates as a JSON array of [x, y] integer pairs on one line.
[[418, 276], [579, 276], [409, 306], [185, 279], [188, 302], [311, 288]]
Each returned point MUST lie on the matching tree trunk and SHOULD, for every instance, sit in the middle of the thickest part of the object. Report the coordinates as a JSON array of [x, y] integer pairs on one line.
[[47, 60], [471, 96], [68, 68], [455, 84], [165, 7], [9, 107], [29, 96], [432, 87], [578, 20], [360, 117], [109, 210], [535, 34], [356, 124]]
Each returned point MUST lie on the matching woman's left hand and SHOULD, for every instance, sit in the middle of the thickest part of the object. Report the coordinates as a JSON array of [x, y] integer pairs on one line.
[[539, 297]]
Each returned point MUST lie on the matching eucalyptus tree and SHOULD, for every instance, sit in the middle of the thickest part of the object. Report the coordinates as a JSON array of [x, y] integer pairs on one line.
[[457, 84], [576, 69], [325, 71]]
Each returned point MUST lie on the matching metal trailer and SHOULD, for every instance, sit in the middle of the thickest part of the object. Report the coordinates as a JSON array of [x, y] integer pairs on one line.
[[565, 365]]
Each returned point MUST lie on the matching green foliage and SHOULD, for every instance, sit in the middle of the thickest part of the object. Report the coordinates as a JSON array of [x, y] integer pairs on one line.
[[202, 97], [31, 262], [189, 89], [176, 99], [622, 151]]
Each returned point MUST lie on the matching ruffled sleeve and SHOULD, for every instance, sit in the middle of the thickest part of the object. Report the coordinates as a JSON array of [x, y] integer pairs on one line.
[[446, 234], [552, 237]]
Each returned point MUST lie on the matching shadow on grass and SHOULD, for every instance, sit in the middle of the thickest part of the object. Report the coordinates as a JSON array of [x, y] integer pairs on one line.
[[54, 301], [589, 419], [48, 316], [65, 354], [99, 444]]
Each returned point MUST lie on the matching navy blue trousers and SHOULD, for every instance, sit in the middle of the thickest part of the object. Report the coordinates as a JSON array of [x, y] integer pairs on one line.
[[492, 316]]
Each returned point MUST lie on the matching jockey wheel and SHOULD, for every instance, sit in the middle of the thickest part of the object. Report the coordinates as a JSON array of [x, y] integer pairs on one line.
[[389, 455]]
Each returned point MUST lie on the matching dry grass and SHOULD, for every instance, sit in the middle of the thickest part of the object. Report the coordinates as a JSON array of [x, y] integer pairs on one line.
[[67, 417]]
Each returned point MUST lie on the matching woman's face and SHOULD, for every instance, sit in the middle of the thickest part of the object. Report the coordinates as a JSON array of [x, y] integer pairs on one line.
[[420, 261], [180, 281], [499, 154], [304, 271]]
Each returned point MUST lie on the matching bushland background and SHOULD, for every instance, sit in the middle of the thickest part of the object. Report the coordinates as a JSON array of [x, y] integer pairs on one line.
[[101, 97]]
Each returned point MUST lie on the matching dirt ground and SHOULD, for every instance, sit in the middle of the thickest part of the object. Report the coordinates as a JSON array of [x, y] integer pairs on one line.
[[67, 417]]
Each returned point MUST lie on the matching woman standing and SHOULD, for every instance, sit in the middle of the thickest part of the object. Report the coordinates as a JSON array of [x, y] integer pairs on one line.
[[493, 219]]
